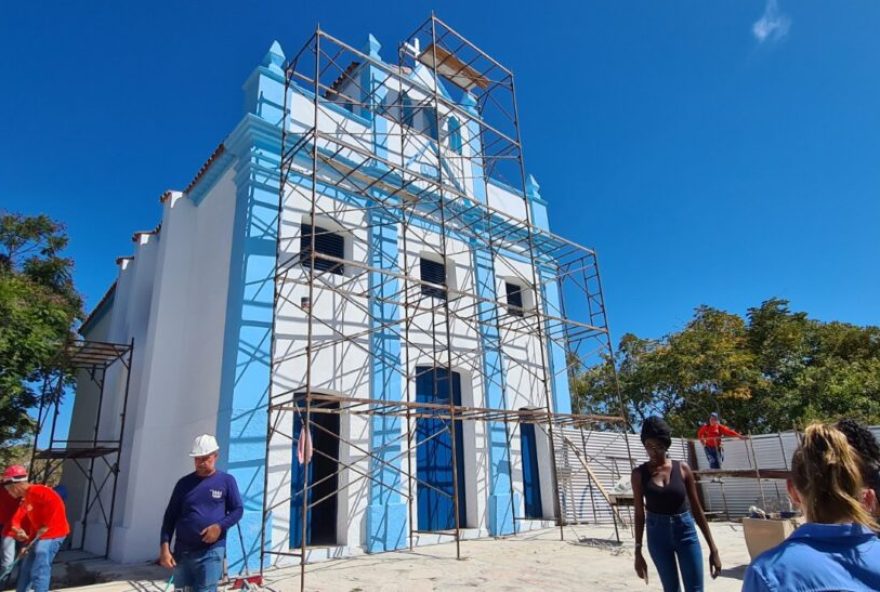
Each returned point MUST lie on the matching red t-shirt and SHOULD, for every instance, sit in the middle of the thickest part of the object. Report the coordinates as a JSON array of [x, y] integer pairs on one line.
[[710, 435], [42, 507], [8, 506]]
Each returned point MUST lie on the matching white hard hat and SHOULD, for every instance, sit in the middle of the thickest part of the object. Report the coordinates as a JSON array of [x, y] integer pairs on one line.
[[204, 445]]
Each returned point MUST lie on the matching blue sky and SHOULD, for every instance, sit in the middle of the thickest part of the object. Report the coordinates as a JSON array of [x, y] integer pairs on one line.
[[717, 152]]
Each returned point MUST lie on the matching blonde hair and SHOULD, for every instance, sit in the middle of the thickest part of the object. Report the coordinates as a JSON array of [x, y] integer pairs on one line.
[[827, 474]]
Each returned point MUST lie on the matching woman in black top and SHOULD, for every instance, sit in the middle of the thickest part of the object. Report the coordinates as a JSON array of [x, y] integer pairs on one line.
[[665, 487]]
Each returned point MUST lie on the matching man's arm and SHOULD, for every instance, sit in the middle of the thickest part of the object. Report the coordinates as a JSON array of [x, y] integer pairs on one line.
[[15, 523], [726, 431], [172, 513], [169, 523], [234, 507]]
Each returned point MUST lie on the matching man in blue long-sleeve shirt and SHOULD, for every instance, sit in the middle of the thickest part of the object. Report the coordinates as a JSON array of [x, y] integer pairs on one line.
[[203, 506]]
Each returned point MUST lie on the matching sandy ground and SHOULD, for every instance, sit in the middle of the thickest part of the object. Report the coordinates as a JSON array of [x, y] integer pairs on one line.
[[586, 560]]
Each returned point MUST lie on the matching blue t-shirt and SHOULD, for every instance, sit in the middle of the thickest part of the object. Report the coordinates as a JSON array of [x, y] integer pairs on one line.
[[819, 557], [196, 503]]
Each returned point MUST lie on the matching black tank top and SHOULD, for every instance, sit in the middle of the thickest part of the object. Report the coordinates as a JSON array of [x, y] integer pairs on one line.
[[669, 500]]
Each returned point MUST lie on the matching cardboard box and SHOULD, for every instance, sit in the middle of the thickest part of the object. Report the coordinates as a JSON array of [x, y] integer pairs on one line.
[[765, 534]]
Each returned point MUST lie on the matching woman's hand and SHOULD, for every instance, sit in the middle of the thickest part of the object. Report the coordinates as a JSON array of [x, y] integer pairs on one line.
[[714, 563], [641, 567]]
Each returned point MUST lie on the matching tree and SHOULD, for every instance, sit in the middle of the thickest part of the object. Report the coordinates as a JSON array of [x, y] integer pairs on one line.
[[38, 308], [764, 372]]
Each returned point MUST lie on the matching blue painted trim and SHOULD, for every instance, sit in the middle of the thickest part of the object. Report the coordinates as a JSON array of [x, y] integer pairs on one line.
[[386, 516], [334, 192], [501, 509], [556, 361], [458, 204], [246, 370]]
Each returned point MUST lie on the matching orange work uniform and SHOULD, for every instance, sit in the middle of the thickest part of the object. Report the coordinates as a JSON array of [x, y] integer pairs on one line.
[[42, 507]]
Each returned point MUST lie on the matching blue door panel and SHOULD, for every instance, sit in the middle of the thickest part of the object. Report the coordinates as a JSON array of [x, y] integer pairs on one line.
[[434, 453], [531, 480]]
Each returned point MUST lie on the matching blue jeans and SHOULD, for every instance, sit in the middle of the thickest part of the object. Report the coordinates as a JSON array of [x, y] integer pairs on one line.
[[36, 567], [199, 571], [671, 538], [715, 456], [7, 552]]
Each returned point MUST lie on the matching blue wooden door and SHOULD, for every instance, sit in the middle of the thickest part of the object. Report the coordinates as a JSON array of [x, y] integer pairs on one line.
[[434, 453], [297, 476], [323, 479], [531, 482]]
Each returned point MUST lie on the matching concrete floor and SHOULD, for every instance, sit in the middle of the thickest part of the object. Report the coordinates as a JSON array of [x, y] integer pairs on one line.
[[588, 559]]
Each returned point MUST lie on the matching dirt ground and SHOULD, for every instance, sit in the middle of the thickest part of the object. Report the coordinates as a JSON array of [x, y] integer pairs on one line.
[[588, 559]]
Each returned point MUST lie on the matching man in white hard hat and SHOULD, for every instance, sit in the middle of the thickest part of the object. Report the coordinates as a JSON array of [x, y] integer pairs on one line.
[[204, 505]]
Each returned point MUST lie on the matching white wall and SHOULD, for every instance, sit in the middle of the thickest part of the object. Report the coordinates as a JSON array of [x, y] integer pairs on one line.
[[171, 299], [129, 319], [340, 362]]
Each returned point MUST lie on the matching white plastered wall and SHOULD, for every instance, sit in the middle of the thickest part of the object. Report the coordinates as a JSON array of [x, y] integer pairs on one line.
[[176, 375], [340, 363]]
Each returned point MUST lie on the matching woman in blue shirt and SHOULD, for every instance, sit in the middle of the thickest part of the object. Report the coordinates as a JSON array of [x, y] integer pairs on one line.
[[836, 549]]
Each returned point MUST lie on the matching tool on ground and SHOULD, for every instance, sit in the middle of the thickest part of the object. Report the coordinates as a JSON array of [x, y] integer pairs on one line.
[[169, 582]]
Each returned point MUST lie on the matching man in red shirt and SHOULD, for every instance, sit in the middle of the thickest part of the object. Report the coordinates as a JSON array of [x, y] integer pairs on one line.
[[40, 521], [8, 506], [710, 436]]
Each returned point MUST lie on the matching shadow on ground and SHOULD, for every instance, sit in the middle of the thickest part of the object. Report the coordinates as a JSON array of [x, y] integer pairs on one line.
[[737, 572]]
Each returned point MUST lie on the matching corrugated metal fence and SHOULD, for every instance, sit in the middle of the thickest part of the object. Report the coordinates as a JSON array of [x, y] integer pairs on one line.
[[581, 501]]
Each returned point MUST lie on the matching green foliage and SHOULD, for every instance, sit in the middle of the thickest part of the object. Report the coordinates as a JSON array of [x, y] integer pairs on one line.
[[38, 307], [766, 372]]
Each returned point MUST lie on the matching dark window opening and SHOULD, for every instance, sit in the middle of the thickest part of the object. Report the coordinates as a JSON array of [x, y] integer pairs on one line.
[[320, 475], [434, 272], [326, 243], [514, 299]]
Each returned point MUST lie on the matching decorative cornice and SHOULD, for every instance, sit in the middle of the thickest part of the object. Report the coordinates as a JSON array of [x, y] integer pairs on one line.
[[136, 236], [218, 152], [254, 131]]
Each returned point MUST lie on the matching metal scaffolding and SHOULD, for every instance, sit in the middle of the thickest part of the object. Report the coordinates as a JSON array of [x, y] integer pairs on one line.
[[372, 147], [87, 360]]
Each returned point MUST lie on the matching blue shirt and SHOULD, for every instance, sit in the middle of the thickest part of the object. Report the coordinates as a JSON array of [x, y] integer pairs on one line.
[[196, 503], [819, 557]]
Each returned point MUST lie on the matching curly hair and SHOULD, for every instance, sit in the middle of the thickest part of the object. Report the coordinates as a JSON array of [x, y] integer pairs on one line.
[[654, 427], [864, 442]]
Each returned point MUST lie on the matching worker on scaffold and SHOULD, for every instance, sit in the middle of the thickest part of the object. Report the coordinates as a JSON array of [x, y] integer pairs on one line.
[[710, 437]]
